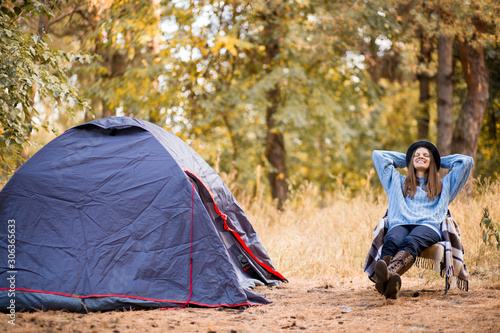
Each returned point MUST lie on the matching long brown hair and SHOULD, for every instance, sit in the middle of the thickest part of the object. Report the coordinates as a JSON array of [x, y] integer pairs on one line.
[[433, 185]]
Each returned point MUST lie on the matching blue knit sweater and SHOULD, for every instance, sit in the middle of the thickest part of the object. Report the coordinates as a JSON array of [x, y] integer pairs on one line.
[[419, 210]]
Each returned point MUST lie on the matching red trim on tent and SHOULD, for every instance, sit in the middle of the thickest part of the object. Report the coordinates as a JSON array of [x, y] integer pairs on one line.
[[226, 227], [126, 296]]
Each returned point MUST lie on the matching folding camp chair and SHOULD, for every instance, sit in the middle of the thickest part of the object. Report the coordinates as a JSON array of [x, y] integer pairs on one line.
[[445, 256]]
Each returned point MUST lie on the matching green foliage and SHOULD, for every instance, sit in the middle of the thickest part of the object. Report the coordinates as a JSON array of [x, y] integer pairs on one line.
[[324, 103], [491, 230], [404, 23], [29, 69], [489, 141], [132, 72], [345, 71]]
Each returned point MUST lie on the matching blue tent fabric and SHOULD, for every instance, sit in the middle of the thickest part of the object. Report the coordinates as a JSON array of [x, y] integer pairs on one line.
[[106, 217]]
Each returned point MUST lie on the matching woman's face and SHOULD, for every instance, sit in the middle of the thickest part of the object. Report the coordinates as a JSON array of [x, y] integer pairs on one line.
[[422, 159]]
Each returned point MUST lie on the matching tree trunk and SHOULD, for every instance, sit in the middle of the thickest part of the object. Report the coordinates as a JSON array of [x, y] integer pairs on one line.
[[424, 79], [468, 125], [117, 66], [233, 137], [445, 95], [275, 151], [275, 143], [106, 111]]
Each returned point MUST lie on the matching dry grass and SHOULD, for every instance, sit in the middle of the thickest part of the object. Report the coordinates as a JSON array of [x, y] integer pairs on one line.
[[320, 239], [320, 245]]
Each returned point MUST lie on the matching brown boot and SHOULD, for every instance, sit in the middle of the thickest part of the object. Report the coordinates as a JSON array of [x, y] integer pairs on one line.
[[401, 262], [393, 287], [382, 274]]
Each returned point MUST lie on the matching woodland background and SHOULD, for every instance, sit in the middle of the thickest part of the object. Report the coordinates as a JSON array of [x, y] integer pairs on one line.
[[274, 94]]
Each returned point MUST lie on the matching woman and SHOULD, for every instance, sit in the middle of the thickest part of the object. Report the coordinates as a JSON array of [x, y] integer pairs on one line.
[[418, 204]]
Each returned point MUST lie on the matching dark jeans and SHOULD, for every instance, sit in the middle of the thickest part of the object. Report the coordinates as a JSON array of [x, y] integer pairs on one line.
[[411, 238]]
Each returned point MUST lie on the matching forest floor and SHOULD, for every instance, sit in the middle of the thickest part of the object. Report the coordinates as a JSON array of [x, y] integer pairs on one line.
[[350, 305]]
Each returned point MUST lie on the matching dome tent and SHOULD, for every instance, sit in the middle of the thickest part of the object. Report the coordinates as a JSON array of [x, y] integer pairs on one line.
[[120, 213]]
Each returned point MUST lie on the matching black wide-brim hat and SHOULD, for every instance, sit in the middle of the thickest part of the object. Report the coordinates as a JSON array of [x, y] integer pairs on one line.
[[426, 144]]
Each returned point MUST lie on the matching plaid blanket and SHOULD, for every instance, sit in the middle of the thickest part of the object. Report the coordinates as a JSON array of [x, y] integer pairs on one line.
[[447, 257]]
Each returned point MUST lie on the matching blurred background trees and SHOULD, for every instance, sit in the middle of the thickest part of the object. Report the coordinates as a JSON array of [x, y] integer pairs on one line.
[[296, 91]]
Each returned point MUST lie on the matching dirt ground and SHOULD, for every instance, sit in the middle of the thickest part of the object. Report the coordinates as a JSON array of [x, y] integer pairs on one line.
[[349, 305]]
